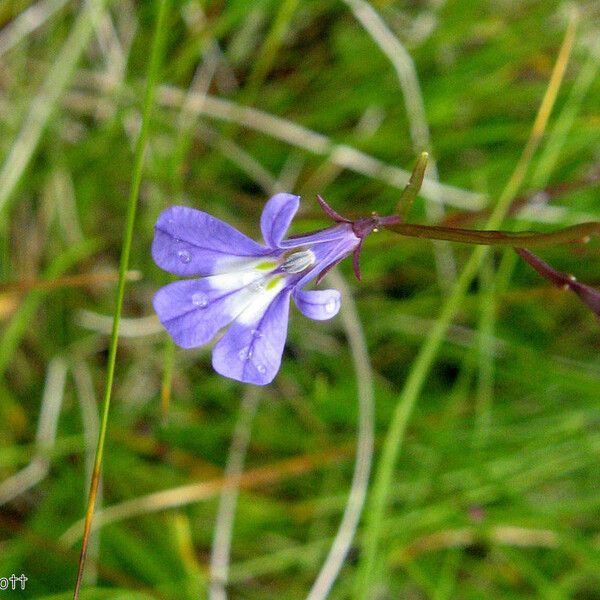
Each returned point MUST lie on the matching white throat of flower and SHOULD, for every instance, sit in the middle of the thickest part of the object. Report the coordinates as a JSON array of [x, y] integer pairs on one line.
[[258, 283]]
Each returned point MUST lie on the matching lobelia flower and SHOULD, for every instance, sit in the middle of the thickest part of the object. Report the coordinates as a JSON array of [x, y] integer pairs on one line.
[[247, 285]]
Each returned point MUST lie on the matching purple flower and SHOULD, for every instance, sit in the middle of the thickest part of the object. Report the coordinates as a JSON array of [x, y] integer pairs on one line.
[[247, 285]]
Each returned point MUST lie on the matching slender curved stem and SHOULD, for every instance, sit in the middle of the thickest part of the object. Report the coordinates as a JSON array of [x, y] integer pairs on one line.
[[153, 68], [523, 239]]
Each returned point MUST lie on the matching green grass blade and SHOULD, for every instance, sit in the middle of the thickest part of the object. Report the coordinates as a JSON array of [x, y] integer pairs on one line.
[[45, 103], [426, 357], [153, 70]]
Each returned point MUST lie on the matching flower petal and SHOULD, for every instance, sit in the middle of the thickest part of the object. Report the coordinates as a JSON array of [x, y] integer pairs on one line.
[[251, 349], [191, 242], [327, 255], [277, 216], [194, 310], [343, 231], [318, 304]]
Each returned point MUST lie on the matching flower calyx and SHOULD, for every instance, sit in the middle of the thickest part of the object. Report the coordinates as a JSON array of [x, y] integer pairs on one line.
[[361, 228]]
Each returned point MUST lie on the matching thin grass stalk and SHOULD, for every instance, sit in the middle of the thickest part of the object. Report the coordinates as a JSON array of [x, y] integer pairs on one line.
[[342, 155], [152, 77], [45, 438], [69, 281], [290, 132], [221, 547], [205, 490], [88, 405], [46, 102], [406, 72], [267, 54], [485, 354], [27, 22], [187, 127], [21, 320], [364, 446], [365, 581], [167, 378], [551, 149], [566, 118]]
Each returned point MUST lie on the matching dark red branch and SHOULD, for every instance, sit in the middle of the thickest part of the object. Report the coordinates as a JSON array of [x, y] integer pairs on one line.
[[588, 295]]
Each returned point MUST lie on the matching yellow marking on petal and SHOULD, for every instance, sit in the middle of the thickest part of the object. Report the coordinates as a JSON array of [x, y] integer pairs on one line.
[[273, 282], [267, 265]]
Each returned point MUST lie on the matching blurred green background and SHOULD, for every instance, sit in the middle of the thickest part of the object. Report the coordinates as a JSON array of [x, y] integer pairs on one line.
[[496, 490]]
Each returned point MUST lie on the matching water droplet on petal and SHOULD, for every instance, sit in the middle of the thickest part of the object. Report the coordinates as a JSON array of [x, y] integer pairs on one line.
[[261, 369], [171, 221], [184, 256], [330, 306], [245, 354], [256, 333], [200, 300]]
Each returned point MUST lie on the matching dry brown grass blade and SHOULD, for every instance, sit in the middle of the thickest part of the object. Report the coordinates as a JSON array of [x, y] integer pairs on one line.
[[197, 492], [81, 280]]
